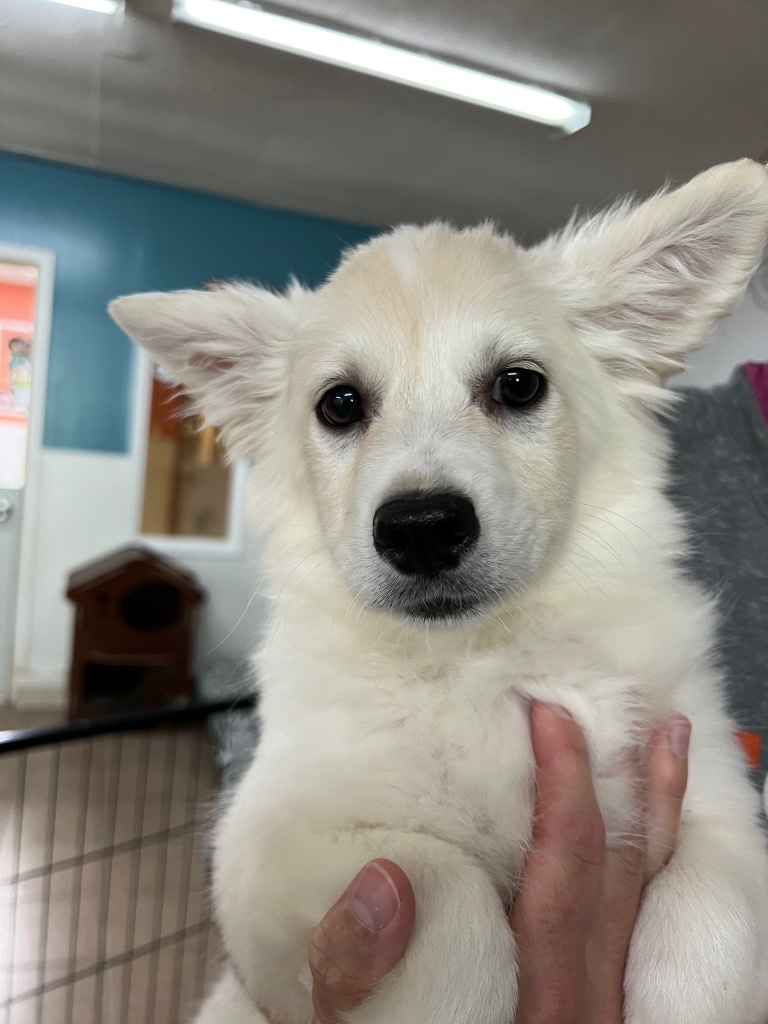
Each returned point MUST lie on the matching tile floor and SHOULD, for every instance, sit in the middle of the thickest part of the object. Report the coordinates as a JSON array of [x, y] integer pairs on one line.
[[103, 917]]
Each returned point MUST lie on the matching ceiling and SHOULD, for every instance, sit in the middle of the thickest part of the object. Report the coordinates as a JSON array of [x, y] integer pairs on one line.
[[675, 85]]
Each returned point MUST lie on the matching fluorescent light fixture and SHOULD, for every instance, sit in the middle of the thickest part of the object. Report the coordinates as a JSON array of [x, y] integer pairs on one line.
[[99, 6], [384, 61]]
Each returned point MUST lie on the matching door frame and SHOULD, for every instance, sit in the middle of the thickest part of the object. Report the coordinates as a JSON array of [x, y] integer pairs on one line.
[[45, 261]]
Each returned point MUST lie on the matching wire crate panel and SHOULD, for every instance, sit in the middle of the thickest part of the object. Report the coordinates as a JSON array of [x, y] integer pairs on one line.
[[104, 847]]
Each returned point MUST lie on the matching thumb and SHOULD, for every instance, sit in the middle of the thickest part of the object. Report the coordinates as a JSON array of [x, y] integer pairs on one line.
[[360, 939]]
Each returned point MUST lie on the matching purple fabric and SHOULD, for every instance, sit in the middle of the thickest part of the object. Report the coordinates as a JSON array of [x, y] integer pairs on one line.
[[757, 375]]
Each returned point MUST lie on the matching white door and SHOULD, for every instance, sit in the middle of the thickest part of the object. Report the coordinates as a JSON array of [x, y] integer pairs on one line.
[[25, 301], [11, 500]]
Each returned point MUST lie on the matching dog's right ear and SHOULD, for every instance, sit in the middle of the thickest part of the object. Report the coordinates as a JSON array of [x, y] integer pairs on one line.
[[226, 347]]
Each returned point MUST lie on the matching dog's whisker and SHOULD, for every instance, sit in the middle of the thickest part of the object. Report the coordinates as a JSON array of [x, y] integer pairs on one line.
[[594, 537], [285, 585], [589, 557], [286, 616], [618, 515], [591, 580], [578, 582], [360, 610], [259, 591], [256, 593], [427, 643], [619, 532]]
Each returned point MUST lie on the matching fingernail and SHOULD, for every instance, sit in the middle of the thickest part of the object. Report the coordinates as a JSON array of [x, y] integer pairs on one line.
[[373, 899], [560, 711], [679, 736]]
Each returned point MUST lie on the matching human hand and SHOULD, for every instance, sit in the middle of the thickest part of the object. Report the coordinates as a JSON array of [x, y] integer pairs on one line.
[[577, 904]]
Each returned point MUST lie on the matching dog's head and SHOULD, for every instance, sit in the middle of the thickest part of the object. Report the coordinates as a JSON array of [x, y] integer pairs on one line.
[[432, 412]]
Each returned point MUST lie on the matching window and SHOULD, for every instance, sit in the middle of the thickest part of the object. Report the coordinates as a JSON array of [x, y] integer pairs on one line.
[[191, 496], [187, 481]]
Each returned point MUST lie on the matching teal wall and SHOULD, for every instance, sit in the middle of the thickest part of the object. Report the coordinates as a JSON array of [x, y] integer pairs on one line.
[[113, 236]]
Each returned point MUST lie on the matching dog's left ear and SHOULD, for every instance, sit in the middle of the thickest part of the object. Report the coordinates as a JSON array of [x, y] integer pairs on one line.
[[645, 284], [227, 347]]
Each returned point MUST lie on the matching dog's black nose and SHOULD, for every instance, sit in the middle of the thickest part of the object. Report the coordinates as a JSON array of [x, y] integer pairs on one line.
[[425, 532]]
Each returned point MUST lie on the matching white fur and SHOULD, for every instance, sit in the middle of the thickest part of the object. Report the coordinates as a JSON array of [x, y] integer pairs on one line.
[[385, 736]]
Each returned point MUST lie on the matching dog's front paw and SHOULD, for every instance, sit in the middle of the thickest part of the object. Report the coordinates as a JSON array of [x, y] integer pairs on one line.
[[696, 953]]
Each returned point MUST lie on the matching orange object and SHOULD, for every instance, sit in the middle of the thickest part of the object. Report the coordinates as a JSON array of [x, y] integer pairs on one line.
[[751, 743]]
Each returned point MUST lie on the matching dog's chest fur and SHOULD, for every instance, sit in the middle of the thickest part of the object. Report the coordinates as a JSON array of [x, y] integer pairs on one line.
[[442, 748]]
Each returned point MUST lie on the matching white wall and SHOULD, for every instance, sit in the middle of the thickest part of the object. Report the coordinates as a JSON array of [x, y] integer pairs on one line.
[[87, 508], [740, 338]]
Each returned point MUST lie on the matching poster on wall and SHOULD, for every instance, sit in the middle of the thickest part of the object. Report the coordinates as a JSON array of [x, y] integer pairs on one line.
[[15, 389], [15, 371]]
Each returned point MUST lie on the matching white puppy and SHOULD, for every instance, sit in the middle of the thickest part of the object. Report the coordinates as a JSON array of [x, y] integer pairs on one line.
[[461, 478]]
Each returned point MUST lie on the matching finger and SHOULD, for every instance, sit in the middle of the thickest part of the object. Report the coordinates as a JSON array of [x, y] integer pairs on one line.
[[552, 913], [360, 939], [627, 868], [621, 886], [667, 780]]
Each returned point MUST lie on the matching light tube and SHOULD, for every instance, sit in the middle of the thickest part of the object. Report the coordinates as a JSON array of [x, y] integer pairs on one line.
[[383, 60]]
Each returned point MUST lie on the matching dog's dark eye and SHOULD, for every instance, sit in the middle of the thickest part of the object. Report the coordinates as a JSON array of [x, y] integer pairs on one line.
[[341, 406], [517, 387]]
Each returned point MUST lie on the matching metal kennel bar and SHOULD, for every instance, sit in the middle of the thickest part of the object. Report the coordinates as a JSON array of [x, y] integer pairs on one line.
[[103, 867]]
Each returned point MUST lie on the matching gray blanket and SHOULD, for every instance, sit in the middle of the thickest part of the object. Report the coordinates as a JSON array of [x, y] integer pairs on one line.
[[719, 477]]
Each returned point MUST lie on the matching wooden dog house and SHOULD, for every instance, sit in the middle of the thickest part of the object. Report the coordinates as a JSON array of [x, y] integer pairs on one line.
[[134, 626]]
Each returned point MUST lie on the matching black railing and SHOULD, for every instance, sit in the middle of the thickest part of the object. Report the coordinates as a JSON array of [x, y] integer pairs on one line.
[[133, 721]]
